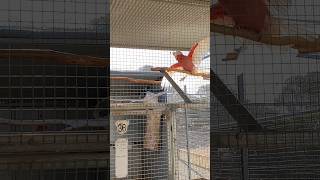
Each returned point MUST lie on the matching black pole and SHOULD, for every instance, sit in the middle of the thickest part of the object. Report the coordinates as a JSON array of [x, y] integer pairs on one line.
[[231, 103]]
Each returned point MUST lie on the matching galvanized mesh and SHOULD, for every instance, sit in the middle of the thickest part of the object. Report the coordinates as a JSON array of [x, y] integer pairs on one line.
[[147, 152], [53, 89], [167, 136], [264, 106]]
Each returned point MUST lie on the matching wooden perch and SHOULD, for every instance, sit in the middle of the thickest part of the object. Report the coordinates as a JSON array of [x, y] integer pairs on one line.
[[136, 81], [301, 44], [201, 74], [56, 56]]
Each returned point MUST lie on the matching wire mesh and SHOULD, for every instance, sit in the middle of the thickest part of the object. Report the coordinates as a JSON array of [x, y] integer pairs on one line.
[[54, 89], [264, 106], [145, 130], [166, 138]]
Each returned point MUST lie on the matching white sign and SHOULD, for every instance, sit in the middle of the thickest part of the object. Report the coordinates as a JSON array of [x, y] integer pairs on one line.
[[121, 158], [122, 126]]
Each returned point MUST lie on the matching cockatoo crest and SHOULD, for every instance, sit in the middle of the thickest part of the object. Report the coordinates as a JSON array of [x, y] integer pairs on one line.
[[198, 55], [175, 54]]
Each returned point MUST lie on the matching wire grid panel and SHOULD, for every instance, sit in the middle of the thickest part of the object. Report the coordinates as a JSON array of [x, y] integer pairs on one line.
[[146, 38], [265, 99], [144, 128], [56, 169], [53, 89], [147, 148], [192, 142]]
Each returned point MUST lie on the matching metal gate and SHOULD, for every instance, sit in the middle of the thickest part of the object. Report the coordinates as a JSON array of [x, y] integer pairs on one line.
[[138, 127]]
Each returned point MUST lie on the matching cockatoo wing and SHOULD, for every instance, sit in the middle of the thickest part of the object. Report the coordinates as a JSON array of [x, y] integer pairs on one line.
[[201, 50]]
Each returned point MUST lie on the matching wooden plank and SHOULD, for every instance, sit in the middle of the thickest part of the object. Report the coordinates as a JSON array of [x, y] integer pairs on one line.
[[296, 42], [201, 74], [137, 81], [44, 55]]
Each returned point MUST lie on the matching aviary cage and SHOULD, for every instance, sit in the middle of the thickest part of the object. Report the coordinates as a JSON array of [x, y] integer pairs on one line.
[[54, 90], [159, 113], [265, 89]]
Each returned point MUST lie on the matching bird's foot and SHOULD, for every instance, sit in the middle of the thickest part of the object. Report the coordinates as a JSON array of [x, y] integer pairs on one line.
[[182, 79]]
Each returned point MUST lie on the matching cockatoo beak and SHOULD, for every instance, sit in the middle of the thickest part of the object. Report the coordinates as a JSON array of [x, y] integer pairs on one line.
[[175, 54]]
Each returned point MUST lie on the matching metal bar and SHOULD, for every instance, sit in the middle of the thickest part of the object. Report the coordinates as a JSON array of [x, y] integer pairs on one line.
[[244, 163], [172, 144], [187, 137], [51, 157], [176, 87], [139, 106], [231, 103], [266, 139], [241, 95], [193, 170]]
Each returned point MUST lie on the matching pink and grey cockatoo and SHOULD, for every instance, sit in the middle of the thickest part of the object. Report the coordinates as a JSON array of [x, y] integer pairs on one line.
[[264, 17], [190, 62], [260, 16], [195, 56]]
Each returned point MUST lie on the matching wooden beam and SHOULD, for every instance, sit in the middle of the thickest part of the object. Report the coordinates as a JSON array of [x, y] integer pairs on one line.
[[137, 81], [299, 43], [201, 74], [45, 55]]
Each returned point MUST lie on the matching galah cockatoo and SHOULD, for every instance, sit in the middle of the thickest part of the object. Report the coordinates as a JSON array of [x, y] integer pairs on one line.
[[252, 15], [190, 62], [264, 17], [194, 58]]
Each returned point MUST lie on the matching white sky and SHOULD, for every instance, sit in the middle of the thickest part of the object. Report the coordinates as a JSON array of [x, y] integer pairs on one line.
[[123, 59]]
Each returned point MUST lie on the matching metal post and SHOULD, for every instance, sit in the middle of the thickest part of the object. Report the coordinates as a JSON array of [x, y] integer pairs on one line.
[[176, 87], [172, 144], [241, 95], [187, 137], [244, 162], [231, 103]]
